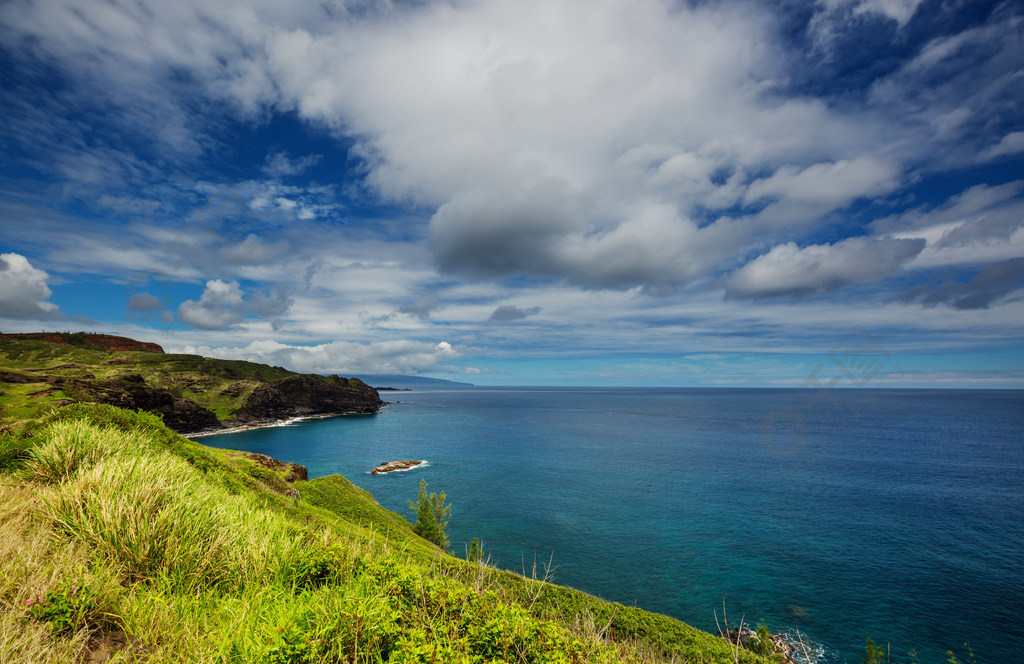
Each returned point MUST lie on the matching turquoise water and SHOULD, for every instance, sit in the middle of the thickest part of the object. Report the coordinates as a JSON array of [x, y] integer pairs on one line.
[[894, 514]]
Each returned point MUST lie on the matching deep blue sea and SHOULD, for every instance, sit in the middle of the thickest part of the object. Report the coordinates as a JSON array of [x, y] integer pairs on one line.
[[891, 514]]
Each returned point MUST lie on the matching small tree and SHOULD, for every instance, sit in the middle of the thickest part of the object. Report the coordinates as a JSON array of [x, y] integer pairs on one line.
[[475, 551], [762, 644], [432, 516], [873, 654]]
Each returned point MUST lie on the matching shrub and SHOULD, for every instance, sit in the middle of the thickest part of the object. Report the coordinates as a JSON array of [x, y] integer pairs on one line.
[[762, 644], [65, 610], [873, 654], [432, 516], [475, 551]]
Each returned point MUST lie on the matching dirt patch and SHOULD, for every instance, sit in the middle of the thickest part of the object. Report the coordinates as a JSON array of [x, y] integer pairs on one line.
[[102, 646]]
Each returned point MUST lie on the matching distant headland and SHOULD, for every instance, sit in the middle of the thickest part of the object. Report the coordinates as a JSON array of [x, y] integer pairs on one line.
[[191, 393]]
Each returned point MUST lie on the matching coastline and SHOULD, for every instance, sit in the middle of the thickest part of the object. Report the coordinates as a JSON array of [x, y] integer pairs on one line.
[[288, 421]]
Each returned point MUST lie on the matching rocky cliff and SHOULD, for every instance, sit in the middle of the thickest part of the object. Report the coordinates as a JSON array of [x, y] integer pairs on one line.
[[191, 393]]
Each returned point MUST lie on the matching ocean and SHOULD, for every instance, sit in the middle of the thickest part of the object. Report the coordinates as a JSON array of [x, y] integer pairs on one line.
[[845, 513]]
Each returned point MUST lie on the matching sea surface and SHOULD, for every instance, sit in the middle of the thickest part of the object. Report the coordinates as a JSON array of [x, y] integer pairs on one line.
[[844, 513]]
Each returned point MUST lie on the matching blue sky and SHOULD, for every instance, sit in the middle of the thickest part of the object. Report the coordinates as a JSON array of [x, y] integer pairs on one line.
[[638, 192]]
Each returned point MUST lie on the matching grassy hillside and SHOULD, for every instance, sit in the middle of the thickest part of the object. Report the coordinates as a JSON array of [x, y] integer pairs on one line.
[[122, 541], [41, 372]]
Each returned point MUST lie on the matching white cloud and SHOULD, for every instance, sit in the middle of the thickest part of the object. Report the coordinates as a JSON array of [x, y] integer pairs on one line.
[[835, 184], [900, 11], [342, 357], [23, 289], [1012, 143], [219, 307], [983, 224], [585, 113], [280, 164], [790, 270]]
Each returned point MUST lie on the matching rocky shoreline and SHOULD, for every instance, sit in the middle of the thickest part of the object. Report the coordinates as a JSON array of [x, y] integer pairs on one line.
[[249, 426], [743, 637]]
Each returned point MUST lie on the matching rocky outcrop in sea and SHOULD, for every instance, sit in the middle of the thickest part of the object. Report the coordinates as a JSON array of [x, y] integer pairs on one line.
[[392, 466]]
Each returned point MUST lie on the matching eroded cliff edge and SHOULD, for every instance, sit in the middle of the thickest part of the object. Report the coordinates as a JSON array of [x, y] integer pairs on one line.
[[191, 393]]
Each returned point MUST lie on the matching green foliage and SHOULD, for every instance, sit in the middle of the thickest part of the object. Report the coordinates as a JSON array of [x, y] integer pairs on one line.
[[432, 516], [15, 450], [873, 654], [353, 505], [953, 659], [475, 551], [65, 609], [762, 644], [68, 446]]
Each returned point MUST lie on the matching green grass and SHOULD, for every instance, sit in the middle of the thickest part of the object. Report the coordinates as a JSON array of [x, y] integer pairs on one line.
[[220, 386], [187, 553]]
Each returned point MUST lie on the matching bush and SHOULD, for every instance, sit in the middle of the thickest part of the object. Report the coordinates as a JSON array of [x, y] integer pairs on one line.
[[66, 609], [475, 551], [873, 654], [762, 643], [432, 516]]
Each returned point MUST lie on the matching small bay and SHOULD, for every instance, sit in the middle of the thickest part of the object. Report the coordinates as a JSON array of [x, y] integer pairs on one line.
[[891, 514]]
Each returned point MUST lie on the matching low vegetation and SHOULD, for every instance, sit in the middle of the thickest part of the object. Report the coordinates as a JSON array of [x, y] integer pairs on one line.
[[42, 372], [123, 541]]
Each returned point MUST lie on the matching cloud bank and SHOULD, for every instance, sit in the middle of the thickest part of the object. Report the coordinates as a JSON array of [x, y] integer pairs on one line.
[[619, 145]]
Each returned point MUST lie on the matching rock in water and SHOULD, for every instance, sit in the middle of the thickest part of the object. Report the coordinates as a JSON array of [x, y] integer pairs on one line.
[[392, 466]]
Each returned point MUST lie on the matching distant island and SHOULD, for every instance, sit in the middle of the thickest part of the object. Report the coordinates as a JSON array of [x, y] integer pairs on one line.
[[399, 381], [192, 394]]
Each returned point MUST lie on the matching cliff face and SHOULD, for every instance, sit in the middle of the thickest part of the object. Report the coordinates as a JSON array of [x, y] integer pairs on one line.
[[308, 394], [191, 393], [130, 391]]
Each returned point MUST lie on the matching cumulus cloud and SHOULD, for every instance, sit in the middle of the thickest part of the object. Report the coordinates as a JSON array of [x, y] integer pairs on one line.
[[508, 312], [219, 307], [534, 131], [23, 289], [790, 270], [144, 302], [279, 164], [835, 184], [623, 144], [984, 224], [342, 357]]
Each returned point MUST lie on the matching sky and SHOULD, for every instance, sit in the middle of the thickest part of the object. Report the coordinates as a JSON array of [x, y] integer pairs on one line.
[[525, 192]]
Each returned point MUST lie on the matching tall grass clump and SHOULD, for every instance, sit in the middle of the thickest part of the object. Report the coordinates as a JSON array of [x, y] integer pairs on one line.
[[68, 447], [155, 517]]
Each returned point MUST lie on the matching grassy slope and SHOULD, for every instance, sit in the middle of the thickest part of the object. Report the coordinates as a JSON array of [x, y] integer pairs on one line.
[[201, 379], [195, 554]]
